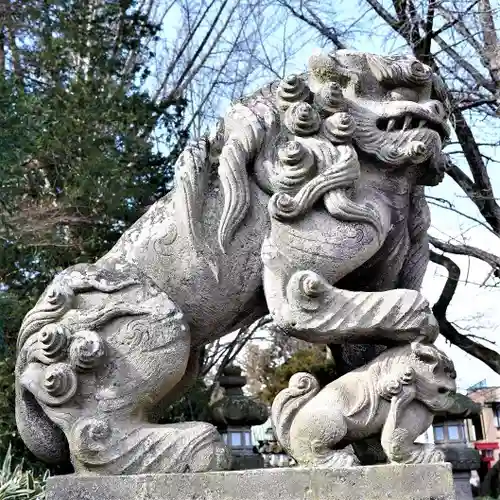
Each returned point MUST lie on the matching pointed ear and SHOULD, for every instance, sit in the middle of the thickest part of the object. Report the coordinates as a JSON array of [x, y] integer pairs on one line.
[[425, 353]]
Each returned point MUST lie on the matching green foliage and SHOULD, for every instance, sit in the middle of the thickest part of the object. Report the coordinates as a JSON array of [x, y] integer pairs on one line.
[[311, 360], [18, 484], [8, 431], [79, 154], [81, 161], [192, 406]]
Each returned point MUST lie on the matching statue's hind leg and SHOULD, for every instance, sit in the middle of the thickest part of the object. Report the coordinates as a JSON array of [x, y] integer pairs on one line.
[[100, 360], [318, 442]]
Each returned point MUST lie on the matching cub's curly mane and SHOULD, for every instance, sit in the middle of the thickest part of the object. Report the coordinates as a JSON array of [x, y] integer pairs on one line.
[[405, 354], [377, 371]]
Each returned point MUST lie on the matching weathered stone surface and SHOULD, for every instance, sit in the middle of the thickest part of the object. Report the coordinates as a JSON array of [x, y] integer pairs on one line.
[[394, 396], [311, 191], [408, 482]]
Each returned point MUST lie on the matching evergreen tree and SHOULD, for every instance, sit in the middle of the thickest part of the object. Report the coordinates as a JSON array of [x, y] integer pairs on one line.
[[79, 160], [268, 373]]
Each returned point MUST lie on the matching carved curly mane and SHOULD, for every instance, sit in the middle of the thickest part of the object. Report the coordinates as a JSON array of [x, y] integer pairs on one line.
[[384, 368], [252, 140]]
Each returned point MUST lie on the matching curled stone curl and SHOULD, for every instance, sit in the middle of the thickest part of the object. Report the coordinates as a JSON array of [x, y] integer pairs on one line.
[[53, 341], [60, 384], [311, 286], [90, 436], [341, 175], [87, 350], [302, 383], [329, 99], [339, 127], [291, 90], [56, 302], [297, 166], [417, 72], [302, 119], [307, 289]]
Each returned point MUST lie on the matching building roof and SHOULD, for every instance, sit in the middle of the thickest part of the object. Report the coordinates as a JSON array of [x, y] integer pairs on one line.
[[485, 395]]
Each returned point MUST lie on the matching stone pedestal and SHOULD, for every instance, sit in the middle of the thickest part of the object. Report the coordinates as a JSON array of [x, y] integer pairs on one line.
[[408, 482]]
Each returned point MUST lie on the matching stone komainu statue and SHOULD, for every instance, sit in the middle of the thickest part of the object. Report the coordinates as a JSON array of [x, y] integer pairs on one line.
[[394, 397], [307, 203]]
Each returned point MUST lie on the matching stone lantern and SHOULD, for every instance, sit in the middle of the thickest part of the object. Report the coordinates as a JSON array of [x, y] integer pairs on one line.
[[234, 413], [462, 457]]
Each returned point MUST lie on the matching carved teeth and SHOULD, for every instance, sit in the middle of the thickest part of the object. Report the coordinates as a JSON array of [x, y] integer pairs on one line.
[[407, 122], [403, 123]]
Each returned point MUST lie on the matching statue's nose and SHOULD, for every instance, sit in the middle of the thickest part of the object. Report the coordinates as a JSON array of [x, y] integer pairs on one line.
[[436, 108]]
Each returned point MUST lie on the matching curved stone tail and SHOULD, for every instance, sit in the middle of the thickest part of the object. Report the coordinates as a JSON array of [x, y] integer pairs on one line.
[[42, 437], [302, 387]]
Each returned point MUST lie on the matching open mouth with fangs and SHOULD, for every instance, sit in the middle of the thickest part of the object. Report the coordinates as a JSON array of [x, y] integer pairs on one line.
[[411, 122]]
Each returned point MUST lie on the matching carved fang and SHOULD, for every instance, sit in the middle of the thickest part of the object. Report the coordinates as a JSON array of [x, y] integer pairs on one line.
[[390, 124], [407, 122], [422, 123]]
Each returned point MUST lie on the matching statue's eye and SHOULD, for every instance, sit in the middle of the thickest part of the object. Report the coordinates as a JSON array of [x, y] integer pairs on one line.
[[403, 94], [451, 373]]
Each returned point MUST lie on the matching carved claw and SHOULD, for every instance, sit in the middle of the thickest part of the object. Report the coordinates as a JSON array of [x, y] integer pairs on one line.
[[338, 460], [427, 454]]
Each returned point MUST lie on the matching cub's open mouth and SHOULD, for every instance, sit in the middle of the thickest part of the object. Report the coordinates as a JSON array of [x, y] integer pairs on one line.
[[409, 122]]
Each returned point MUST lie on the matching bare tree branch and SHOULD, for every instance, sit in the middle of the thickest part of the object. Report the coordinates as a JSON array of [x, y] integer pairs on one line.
[[490, 259], [488, 356], [315, 22], [491, 46]]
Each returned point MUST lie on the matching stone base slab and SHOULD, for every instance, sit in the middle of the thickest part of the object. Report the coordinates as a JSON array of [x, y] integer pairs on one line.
[[401, 482]]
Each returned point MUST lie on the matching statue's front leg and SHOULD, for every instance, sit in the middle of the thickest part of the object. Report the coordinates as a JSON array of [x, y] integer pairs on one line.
[[308, 307], [407, 420], [185, 383]]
